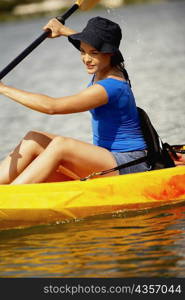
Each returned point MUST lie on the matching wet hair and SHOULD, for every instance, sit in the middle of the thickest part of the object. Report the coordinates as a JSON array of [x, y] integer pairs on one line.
[[117, 60]]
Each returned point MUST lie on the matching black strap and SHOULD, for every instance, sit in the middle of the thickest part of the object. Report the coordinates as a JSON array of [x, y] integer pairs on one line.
[[126, 165]]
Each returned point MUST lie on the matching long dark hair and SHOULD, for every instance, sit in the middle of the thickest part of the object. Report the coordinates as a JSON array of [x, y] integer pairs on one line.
[[117, 60]]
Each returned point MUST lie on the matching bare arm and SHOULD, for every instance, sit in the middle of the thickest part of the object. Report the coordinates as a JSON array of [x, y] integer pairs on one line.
[[34, 101], [89, 98]]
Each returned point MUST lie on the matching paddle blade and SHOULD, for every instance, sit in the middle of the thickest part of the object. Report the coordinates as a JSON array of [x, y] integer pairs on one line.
[[86, 4]]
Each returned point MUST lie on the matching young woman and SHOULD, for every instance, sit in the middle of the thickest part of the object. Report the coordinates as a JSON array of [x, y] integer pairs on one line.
[[117, 136]]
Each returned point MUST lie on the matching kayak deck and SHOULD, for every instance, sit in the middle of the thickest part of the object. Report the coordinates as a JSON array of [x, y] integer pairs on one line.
[[45, 203]]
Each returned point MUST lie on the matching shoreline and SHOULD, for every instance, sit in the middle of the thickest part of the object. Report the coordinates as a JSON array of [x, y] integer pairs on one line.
[[47, 8]]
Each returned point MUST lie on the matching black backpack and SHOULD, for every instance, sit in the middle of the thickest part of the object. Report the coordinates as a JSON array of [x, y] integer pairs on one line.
[[158, 152]]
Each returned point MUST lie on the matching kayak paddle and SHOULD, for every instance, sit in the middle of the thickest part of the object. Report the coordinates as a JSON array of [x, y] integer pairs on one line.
[[79, 4]]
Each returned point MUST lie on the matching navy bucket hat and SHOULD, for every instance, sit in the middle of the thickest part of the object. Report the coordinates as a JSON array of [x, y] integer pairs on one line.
[[103, 34]]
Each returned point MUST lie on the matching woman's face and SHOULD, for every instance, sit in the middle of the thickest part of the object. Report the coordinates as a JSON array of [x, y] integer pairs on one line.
[[95, 61]]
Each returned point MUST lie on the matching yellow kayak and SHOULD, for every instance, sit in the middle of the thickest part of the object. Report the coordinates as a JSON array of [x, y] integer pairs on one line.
[[45, 203]]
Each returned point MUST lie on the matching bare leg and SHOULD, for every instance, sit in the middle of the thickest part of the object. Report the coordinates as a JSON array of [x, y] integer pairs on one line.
[[78, 157], [28, 149]]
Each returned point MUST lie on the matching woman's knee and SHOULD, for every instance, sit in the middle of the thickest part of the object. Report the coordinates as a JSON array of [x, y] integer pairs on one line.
[[30, 135], [34, 142], [63, 145], [37, 139], [36, 136]]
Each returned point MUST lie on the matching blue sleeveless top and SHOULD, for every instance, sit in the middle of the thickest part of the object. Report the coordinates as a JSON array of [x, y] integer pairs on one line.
[[116, 125]]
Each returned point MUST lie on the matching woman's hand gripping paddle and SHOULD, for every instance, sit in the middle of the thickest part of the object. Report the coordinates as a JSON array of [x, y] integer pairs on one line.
[[79, 4]]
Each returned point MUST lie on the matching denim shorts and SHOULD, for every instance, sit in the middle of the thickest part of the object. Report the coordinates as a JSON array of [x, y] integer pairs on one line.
[[125, 157]]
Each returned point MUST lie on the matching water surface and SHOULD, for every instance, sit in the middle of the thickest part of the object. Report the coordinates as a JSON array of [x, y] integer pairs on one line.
[[149, 244]]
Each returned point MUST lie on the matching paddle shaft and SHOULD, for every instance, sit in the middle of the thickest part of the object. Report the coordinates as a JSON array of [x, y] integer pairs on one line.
[[37, 42]]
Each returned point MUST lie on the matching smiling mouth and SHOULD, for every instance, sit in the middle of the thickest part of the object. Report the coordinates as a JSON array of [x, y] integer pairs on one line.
[[89, 66]]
